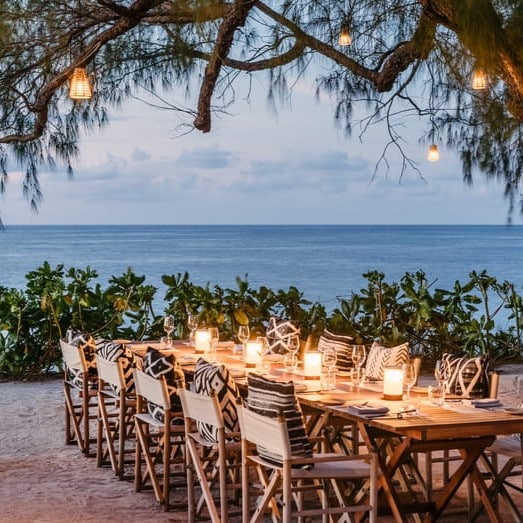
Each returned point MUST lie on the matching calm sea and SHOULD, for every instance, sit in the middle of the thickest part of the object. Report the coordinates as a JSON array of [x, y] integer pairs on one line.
[[323, 262]]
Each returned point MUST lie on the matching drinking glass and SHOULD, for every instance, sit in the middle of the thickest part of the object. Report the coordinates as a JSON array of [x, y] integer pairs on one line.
[[214, 337], [409, 377], [192, 324], [290, 361], [442, 377], [264, 365], [293, 344], [358, 357], [328, 361], [243, 335], [168, 327]]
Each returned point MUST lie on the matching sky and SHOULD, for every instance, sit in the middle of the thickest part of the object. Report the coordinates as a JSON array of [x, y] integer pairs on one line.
[[256, 166]]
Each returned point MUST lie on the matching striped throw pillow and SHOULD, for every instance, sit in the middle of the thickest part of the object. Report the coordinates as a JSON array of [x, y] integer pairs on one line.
[[209, 377], [156, 364], [112, 351], [380, 357], [278, 333], [269, 398], [468, 377], [341, 344], [87, 344]]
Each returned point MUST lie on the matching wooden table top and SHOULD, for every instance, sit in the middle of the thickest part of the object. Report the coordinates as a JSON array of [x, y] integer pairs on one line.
[[455, 420]]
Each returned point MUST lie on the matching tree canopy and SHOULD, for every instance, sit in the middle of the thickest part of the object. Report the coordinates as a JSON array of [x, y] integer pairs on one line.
[[406, 58]]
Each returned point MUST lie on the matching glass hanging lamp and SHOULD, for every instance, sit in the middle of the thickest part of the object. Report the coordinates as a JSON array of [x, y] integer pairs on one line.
[[479, 79], [80, 85], [433, 154], [345, 37]]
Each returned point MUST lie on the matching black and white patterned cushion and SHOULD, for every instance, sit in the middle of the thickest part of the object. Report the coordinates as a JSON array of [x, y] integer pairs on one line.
[[112, 351], [380, 357], [209, 377], [87, 344], [269, 398], [467, 377], [278, 334], [156, 364], [341, 344]]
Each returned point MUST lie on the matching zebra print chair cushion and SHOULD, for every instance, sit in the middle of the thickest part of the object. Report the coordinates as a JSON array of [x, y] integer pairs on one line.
[[112, 351], [209, 377], [86, 343], [468, 377], [156, 364], [269, 398], [341, 344], [278, 334], [380, 357]]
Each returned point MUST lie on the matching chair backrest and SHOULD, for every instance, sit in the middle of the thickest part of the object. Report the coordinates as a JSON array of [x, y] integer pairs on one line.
[[111, 372], [416, 362], [152, 389], [269, 433], [201, 407], [74, 357]]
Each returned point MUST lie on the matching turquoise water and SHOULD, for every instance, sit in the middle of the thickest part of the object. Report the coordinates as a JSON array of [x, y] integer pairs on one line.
[[321, 261]]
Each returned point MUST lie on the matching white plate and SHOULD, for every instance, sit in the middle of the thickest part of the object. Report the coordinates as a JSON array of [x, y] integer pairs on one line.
[[514, 410]]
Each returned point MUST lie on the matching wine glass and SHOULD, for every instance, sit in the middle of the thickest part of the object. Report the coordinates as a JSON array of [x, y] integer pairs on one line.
[[409, 377], [214, 337], [192, 324], [358, 357], [168, 327], [264, 366], [329, 358], [293, 344], [243, 335], [441, 375]]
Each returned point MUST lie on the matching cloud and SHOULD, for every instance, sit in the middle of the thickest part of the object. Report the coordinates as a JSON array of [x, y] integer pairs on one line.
[[205, 158]]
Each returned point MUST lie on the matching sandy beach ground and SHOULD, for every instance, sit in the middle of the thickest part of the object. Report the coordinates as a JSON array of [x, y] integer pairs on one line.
[[44, 480]]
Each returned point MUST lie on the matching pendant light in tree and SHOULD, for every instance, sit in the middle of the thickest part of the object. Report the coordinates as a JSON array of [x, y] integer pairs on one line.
[[79, 85], [433, 154], [479, 79], [345, 37]]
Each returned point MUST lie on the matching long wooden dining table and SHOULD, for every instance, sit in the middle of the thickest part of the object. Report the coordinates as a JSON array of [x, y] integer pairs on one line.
[[454, 426]]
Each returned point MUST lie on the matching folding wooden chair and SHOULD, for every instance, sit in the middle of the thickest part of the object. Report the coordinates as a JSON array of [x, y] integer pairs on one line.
[[80, 393], [215, 463], [160, 445], [116, 408], [283, 484]]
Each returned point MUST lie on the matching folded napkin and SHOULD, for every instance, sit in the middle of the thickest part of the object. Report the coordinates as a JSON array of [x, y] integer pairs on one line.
[[368, 410], [484, 403]]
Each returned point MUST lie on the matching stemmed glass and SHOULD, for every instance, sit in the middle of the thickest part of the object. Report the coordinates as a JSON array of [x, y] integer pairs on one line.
[[168, 327], [358, 357], [409, 377], [264, 366], [214, 337], [293, 344], [329, 358], [243, 335], [192, 324], [442, 377]]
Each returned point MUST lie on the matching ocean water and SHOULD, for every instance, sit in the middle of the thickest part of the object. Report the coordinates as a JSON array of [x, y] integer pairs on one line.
[[324, 262]]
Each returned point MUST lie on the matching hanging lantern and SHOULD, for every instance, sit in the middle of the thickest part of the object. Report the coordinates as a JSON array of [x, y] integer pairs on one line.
[[345, 38], [433, 154], [79, 85], [479, 79]]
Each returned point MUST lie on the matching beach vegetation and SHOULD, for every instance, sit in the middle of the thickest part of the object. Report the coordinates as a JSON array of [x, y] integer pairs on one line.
[[480, 316], [405, 62]]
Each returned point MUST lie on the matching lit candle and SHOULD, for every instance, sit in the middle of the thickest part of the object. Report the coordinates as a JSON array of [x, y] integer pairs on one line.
[[252, 353], [201, 340], [393, 383], [312, 365]]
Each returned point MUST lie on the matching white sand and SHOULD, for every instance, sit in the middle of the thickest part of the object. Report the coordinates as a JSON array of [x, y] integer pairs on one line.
[[44, 480]]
